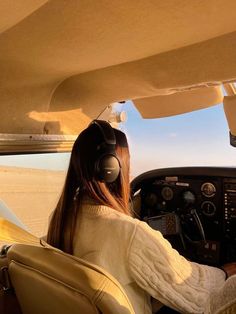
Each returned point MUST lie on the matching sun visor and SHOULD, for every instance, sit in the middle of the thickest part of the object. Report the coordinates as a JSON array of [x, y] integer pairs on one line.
[[230, 112], [178, 103]]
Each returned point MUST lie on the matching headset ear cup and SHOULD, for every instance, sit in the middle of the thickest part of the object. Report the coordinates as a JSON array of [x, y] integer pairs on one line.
[[107, 164], [107, 168]]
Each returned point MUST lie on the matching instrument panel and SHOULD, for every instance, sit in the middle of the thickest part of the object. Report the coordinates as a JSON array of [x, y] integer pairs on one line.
[[198, 203]]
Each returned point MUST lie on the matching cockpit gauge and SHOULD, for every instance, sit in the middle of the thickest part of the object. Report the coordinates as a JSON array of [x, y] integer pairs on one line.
[[189, 197], [151, 199], [208, 208], [208, 189], [167, 193]]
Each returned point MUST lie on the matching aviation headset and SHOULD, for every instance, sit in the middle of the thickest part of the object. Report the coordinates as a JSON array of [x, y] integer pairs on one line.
[[107, 164]]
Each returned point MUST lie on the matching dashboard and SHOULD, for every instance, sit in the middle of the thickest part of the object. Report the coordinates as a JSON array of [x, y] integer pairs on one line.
[[193, 207]]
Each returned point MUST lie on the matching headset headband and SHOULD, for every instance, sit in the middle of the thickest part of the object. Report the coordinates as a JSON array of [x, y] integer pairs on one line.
[[106, 130]]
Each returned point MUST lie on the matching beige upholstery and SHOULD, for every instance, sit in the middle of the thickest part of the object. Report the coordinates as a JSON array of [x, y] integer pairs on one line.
[[230, 112], [49, 281], [96, 52]]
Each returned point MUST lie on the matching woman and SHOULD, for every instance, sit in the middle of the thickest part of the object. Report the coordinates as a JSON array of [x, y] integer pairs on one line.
[[93, 221]]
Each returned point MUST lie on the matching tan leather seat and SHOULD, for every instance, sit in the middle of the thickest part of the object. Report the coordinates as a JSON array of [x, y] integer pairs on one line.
[[48, 281]]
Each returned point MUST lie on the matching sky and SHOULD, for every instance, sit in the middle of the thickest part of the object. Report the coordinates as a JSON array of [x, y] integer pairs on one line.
[[199, 138]]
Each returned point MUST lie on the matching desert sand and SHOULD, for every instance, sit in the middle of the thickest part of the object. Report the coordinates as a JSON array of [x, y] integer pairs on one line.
[[31, 194]]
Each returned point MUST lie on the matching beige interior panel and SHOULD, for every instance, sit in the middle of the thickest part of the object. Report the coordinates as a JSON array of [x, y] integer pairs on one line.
[[230, 112], [69, 37], [28, 112], [62, 122], [14, 11], [16, 105], [83, 55], [178, 103], [202, 64]]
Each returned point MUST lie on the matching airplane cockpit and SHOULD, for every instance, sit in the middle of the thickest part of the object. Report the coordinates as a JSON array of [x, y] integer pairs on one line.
[[64, 64], [195, 208]]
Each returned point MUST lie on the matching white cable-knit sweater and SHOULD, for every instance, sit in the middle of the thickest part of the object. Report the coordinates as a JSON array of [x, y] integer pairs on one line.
[[143, 261]]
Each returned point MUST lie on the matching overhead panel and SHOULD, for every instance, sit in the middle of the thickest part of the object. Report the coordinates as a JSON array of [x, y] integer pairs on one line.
[[63, 62], [13, 12], [90, 53], [205, 64]]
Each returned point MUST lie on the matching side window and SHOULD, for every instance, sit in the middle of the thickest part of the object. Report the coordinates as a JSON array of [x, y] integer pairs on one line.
[[30, 186]]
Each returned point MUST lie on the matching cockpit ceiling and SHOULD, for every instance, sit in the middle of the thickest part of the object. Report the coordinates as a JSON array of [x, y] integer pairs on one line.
[[59, 57]]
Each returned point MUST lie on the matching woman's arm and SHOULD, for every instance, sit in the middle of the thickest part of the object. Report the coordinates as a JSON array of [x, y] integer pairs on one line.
[[168, 276]]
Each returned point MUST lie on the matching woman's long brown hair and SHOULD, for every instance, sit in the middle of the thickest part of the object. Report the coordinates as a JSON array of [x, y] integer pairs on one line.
[[80, 176]]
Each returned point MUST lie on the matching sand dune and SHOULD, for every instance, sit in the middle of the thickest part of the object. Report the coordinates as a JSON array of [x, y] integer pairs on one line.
[[31, 194]]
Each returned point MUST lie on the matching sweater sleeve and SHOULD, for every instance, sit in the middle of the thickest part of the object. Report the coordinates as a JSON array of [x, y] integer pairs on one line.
[[167, 276]]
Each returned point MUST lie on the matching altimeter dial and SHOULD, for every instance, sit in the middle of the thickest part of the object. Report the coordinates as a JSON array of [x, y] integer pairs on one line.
[[208, 189]]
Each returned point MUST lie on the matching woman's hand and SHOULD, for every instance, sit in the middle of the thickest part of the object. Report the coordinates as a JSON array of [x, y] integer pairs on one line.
[[229, 269]]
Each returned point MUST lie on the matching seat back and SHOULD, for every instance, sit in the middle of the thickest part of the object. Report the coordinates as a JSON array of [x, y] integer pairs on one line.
[[49, 281]]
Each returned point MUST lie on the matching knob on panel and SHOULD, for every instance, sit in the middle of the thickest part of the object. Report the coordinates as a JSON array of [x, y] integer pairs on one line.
[[167, 193], [151, 199], [208, 208]]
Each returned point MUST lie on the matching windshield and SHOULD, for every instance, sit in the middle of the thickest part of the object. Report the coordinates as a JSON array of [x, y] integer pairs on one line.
[[30, 185], [199, 138]]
